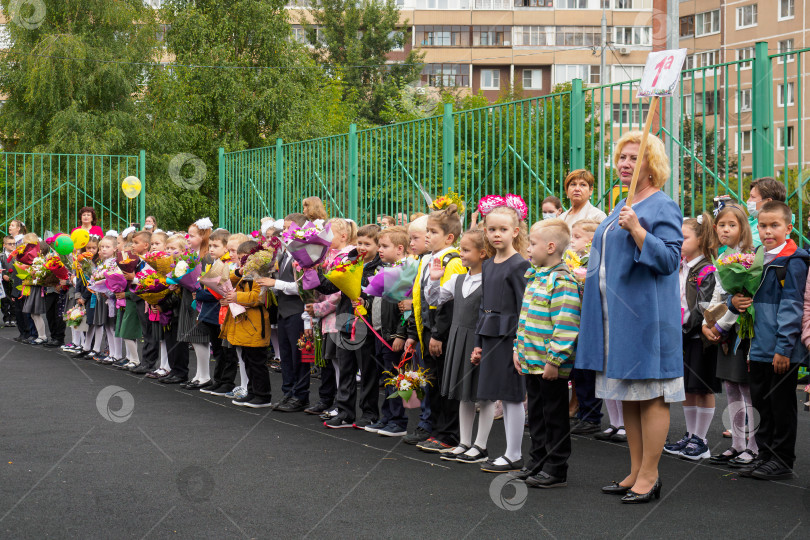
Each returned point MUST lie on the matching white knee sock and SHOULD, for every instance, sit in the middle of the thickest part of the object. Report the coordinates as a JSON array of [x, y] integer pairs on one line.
[[203, 353], [77, 337], [486, 417], [41, 325], [274, 340], [691, 419], [745, 390], [164, 356], [736, 411], [132, 350], [242, 372], [513, 423], [98, 338], [704, 420], [614, 409], [109, 328], [466, 416]]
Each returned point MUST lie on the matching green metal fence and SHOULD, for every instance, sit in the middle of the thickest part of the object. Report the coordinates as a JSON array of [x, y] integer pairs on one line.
[[46, 191], [725, 126]]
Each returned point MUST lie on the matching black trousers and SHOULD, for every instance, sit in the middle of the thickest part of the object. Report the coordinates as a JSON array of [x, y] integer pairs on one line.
[[258, 376], [151, 346], [178, 352], [23, 320], [548, 425], [590, 406], [6, 304], [294, 372], [774, 396], [393, 412], [328, 389], [53, 313], [443, 410], [226, 363], [347, 364]]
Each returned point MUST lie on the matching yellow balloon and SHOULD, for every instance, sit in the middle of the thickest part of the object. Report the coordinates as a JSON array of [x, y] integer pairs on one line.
[[80, 238], [131, 186]]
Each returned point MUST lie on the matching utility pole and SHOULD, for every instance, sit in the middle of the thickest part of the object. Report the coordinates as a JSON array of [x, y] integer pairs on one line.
[[602, 79], [672, 115]]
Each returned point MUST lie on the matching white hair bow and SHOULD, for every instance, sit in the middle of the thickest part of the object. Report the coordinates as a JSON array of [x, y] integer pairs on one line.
[[204, 224], [126, 232], [18, 239], [112, 233]]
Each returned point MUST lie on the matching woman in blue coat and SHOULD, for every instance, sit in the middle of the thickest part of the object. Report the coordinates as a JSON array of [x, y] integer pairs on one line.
[[630, 332]]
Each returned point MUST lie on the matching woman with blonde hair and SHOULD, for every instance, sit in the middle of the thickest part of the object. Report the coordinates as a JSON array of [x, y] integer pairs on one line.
[[312, 208], [630, 332]]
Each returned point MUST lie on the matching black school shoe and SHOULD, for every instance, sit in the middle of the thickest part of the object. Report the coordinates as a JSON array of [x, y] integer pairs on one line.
[[509, 466], [292, 405], [52, 344], [220, 390], [585, 428], [172, 379], [418, 436], [772, 470], [722, 457], [319, 408], [545, 481]]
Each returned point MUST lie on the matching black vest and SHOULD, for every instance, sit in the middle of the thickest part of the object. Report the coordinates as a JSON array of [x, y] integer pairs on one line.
[[288, 305]]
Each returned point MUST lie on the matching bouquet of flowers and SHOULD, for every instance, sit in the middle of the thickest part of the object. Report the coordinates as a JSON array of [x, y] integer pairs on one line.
[[83, 265], [578, 264], [308, 347], [741, 273], [108, 280], [308, 245], [152, 286], [346, 273], [160, 261], [75, 316], [46, 271], [442, 202], [25, 254], [217, 278], [185, 271], [394, 283], [408, 383], [127, 261], [262, 262]]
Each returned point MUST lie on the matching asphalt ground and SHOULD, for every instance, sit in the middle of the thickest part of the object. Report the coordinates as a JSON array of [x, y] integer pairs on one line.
[[89, 451]]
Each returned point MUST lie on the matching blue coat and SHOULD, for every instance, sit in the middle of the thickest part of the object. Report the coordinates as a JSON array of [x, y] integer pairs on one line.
[[643, 296], [778, 308]]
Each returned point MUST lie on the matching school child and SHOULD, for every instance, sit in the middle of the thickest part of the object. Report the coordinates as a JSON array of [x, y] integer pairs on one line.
[[392, 244], [503, 284], [417, 248], [189, 329], [127, 322], [776, 348], [249, 334], [7, 272], [177, 352], [87, 298], [762, 190], [226, 364], [544, 351], [431, 326], [239, 391], [141, 244], [721, 328], [104, 315], [460, 378], [700, 361], [34, 304]]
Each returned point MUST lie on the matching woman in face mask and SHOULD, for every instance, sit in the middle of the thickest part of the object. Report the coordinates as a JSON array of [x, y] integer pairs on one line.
[[552, 207], [763, 190], [579, 188]]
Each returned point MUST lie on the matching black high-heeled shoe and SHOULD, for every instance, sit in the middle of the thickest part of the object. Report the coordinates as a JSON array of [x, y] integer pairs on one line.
[[637, 498], [615, 488]]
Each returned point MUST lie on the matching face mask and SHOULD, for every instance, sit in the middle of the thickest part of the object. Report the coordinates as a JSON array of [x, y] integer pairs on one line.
[[752, 208], [549, 215]]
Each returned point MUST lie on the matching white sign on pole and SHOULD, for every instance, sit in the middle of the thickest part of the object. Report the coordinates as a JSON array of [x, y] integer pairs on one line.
[[661, 73]]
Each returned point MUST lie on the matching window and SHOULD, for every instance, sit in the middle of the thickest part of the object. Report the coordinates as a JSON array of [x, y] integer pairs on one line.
[[703, 104], [629, 113], [687, 26], [493, 4], [490, 79], [446, 75], [784, 94], [744, 101], [567, 72], [629, 4], [532, 79], [746, 16], [786, 9], [5, 37], [632, 35], [578, 36], [744, 142], [440, 4], [443, 36], [707, 23], [781, 135], [534, 3], [626, 73], [784, 46], [299, 34], [706, 59], [746, 53], [572, 4], [492, 36], [397, 40], [533, 35]]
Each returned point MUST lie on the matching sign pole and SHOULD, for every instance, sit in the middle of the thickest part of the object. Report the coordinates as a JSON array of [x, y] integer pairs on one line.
[[642, 147]]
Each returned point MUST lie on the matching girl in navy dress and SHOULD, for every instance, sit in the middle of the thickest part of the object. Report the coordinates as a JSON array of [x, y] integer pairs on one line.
[[503, 284]]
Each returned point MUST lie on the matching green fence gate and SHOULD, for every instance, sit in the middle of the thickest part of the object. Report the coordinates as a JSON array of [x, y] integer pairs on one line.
[[46, 191]]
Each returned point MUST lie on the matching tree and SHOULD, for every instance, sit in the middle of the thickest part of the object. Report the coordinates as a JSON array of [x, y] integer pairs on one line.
[[356, 38], [703, 168]]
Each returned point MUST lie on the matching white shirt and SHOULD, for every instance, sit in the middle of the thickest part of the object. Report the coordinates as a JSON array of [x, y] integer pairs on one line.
[[437, 294], [290, 288], [684, 273], [771, 255], [588, 211]]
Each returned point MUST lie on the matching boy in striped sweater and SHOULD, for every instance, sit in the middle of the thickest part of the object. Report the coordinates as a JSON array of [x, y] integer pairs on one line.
[[544, 350]]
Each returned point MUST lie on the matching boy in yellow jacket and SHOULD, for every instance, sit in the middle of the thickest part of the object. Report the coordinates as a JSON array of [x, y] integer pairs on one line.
[[249, 333]]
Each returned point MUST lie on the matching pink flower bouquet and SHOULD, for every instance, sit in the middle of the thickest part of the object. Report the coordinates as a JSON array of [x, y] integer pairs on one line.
[[308, 246], [186, 271], [217, 279]]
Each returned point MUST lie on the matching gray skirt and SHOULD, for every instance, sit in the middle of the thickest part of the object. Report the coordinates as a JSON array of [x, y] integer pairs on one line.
[[35, 302], [639, 389], [101, 311]]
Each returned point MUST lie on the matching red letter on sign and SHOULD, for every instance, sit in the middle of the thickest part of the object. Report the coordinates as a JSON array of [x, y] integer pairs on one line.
[[666, 63]]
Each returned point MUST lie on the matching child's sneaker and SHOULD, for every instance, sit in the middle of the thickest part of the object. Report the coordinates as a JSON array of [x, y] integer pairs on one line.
[[237, 393], [435, 445], [375, 427], [392, 430], [338, 422], [696, 450], [676, 448]]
